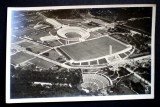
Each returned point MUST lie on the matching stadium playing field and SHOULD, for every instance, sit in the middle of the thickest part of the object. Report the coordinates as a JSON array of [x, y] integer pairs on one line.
[[92, 49], [72, 35]]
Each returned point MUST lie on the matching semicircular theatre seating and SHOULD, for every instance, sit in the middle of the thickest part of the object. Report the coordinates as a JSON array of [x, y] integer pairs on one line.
[[93, 86], [99, 80], [96, 81]]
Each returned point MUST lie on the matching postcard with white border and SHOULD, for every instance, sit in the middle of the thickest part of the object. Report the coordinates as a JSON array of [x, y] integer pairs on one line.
[[80, 53]]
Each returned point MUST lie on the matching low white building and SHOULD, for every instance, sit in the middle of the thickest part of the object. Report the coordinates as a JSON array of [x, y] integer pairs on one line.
[[48, 38], [54, 22]]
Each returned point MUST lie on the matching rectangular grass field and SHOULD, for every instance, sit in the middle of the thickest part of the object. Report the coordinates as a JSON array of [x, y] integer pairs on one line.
[[20, 57], [93, 48], [42, 63], [51, 54], [35, 48]]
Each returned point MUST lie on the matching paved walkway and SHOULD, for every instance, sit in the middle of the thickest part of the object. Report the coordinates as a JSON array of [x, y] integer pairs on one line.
[[138, 76]]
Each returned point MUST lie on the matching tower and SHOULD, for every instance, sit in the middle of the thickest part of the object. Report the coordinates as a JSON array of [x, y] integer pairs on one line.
[[110, 49]]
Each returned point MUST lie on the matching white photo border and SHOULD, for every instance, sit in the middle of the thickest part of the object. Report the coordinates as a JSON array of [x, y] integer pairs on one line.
[[72, 99]]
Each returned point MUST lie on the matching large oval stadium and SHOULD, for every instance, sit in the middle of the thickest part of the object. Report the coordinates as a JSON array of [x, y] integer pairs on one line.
[[73, 33]]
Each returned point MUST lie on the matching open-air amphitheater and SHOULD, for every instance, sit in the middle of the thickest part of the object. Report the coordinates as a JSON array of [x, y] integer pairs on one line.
[[98, 51], [94, 82]]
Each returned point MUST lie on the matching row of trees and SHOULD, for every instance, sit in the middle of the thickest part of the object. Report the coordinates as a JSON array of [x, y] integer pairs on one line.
[[140, 41], [130, 81], [22, 79]]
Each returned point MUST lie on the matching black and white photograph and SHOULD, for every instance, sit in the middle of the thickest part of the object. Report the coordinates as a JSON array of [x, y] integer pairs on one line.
[[80, 53]]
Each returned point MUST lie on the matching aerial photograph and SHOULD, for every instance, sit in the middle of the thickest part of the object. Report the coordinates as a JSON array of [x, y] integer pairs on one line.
[[80, 52]]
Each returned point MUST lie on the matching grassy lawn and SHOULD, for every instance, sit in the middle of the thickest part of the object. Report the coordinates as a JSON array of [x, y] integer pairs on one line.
[[38, 48], [25, 44], [52, 54], [41, 63], [92, 48], [20, 57], [35, 48]]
